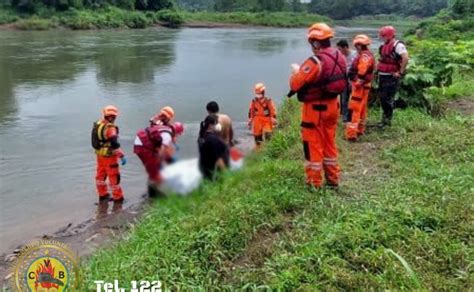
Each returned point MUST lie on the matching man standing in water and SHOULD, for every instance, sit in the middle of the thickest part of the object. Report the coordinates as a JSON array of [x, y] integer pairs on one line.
[[391, 67], [213, 152], [226, 132], [318, 82], [343, 47], [108, 152]]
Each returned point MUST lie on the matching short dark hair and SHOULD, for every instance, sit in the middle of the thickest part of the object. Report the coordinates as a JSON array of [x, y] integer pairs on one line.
[[342, 44], [325, 43], [212, 107]]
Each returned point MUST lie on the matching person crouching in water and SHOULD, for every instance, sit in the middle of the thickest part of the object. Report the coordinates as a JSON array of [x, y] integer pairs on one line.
[[361, 75], [156, 145], [147, 147], [163, 122], [262, 115], [213, 151]]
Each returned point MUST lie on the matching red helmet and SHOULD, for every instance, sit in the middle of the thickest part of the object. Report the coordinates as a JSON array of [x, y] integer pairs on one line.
[[178, 128], [110, 110], [387, 32]]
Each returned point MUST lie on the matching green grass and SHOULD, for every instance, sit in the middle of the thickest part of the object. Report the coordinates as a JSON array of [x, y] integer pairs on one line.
[[438, 97], [401, 23], [402, 218], [274, 19], [36, 23], [7, 16]]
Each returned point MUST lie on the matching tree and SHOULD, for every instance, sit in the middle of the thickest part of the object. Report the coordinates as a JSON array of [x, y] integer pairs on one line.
[[462, 7]]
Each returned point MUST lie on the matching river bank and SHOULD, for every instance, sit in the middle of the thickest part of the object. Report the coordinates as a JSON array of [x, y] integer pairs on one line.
[[113, 17], [399, 218]]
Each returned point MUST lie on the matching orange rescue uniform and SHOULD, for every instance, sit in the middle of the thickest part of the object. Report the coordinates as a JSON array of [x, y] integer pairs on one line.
[[319, 114], [362, 70], [108, 161], [262, 114]]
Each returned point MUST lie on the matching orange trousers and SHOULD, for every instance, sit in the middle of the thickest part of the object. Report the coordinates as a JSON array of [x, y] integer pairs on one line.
[[262, 126], [108, 167], [319, 124], [357, 112]]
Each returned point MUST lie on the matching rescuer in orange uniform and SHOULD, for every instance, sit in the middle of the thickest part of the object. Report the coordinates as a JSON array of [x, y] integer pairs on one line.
[[108, 152], [361, 75], [262, 115], [318, 82]]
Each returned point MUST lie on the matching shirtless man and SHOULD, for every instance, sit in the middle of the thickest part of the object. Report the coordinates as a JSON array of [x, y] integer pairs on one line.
[[226, 132]]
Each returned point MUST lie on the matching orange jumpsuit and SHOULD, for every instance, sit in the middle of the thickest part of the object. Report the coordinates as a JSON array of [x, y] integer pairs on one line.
[[108, 162], [319, 123], [362, 68], [262, 113]]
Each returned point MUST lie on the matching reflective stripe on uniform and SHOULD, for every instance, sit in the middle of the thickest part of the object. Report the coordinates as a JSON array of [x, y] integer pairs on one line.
[[313, 165], [352, 125], [330, 161], [101, 182]]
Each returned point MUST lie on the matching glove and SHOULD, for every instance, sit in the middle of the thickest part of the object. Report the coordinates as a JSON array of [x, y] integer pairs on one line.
[[123, 160]]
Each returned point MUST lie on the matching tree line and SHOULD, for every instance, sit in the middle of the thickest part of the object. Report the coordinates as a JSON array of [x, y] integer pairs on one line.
[[61, 5], [336, 9]]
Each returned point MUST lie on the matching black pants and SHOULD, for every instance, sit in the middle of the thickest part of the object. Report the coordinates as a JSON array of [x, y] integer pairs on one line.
[[388, 86], [345, 95]]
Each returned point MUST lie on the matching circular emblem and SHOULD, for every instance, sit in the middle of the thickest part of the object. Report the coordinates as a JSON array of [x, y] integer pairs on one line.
[[46, 266]]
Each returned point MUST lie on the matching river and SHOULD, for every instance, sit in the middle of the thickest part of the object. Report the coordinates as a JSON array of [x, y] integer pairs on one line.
[[53, 85]]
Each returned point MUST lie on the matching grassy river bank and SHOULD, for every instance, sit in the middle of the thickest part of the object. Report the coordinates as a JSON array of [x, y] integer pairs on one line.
[[401, 218], [113, 17]]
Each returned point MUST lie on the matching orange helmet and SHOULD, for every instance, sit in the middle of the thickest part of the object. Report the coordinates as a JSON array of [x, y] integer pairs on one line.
[[259, 88], [110, 110], [168, 112], [319, 32], [362, 39]]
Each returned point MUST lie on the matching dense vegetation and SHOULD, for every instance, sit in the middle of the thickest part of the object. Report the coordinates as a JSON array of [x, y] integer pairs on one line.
[[33, 6], [340, 9], [442, 65], [140, 13]]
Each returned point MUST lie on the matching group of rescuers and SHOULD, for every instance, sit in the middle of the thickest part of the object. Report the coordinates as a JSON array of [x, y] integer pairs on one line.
[[332, 81]]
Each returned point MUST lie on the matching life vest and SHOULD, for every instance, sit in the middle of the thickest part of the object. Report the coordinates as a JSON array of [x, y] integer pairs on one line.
[[389, 61], [353, 71], [259, 108], [166, 129], [99, 141], [150, 138], [332, 79]]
